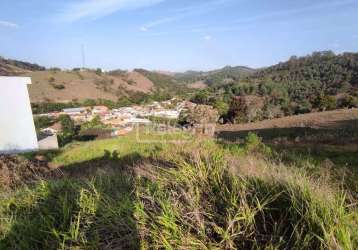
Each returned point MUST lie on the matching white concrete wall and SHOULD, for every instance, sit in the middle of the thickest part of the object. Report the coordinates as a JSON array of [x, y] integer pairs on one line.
[[17, 129]]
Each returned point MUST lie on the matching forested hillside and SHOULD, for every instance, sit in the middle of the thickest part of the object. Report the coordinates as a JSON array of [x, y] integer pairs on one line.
[[165, 84], [218, 77], [321, 81], [331, 73]]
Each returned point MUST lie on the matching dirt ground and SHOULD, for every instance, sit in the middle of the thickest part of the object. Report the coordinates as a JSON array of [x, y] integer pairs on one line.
[[16, 170], [339, 126]]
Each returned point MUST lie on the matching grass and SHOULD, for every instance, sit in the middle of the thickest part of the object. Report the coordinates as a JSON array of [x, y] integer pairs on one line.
[[122, 194], [339, 166]]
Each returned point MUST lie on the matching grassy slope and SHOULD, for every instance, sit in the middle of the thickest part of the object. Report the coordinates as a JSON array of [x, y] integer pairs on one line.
[[84, 85], [121, 194]]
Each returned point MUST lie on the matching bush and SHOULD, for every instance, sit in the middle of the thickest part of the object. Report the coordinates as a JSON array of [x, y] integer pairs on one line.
[[51, 79], [43, 122], [348, 101], [58, 86], [253, 144], [199, 115], [325, 102], [99, 71], [95, 123], [68, 130]]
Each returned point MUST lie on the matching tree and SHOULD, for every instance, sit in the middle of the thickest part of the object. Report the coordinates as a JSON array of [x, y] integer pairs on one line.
[[324, 102], [222, 107], [95, 123], [237, 111], [68, 130], [202, 118], [202, 97], [198, 115], [246, 109], [99, 71], [348, 101]]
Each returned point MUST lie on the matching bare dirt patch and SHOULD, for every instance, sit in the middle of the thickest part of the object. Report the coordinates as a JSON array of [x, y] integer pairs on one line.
[[16, 171], [198, 85], [331, 127]]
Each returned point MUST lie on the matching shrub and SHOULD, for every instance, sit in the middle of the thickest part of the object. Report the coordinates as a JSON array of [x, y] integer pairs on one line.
[[68, 130], [99, 71], [348, 101], [199, 115], [254, 144], [43, 122], [51, 79], [324, 102], [58, 86], [95, 123]]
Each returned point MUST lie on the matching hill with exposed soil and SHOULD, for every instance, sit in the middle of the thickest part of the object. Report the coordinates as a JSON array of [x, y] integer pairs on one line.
[[63, 86], [10, 67]]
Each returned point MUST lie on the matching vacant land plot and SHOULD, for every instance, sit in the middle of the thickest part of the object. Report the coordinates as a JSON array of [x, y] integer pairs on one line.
[[331, 127], [125, 194]]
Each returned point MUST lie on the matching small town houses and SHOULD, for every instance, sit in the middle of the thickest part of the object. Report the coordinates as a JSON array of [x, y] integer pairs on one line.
[[121, 120]]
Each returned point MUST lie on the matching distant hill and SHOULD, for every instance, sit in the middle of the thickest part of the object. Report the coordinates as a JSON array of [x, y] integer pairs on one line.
[[56, 85], [317, 82], [333, 73], [218, 77], [14, 67], [164, 82], [65, 86]]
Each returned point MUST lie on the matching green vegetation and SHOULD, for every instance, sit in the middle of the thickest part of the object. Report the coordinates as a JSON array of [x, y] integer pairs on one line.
[[43, 122], [68, 130], [58, 86], [121, 193], [216, 77], [99, 72], [165, 85], [318, 82], [163, 120], [95, 123]]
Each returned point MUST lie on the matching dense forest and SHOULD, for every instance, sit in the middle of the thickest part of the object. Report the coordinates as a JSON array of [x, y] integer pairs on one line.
[[321, 81]]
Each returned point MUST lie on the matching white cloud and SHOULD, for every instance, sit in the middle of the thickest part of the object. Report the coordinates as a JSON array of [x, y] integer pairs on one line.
[[144, 29], [280, 14], [99, 8], [7, 24], [208, 37], [184, 12], [158, 22]]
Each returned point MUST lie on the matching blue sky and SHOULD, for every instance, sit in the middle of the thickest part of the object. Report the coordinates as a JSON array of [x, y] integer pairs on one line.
[[174, 35]]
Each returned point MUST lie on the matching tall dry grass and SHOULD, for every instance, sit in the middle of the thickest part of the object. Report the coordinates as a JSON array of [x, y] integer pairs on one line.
[[199, 195]]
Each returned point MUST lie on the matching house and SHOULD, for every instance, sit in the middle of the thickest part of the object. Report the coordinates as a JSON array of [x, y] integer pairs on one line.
[[53, 130], [75, 111], [17, 129], [98, 110], [135, 121]]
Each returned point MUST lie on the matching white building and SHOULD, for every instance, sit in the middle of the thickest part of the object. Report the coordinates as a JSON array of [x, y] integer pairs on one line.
[[75, 111], [17, 129]]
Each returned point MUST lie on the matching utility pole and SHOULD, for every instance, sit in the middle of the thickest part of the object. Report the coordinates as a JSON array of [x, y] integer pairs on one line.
[[83, 57]]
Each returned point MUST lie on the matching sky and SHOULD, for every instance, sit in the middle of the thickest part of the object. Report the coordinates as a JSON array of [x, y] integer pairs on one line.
[[174, 35]]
